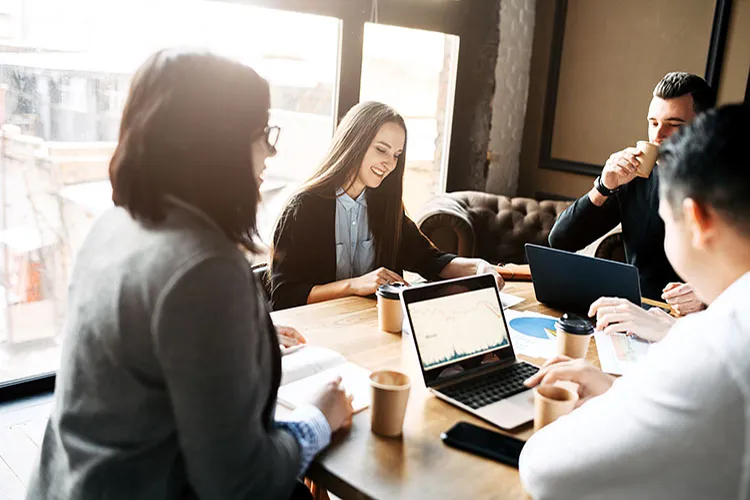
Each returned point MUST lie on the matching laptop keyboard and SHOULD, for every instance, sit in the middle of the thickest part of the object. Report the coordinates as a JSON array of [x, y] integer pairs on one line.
[[493, 387]]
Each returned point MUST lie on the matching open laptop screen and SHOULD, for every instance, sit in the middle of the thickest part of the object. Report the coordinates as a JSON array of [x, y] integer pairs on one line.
[[457, 326]]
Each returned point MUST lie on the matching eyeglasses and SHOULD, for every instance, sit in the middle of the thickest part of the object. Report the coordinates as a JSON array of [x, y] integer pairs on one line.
[[272, 134]]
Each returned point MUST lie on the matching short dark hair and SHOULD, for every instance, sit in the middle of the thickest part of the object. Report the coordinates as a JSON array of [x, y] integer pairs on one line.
[[707, 161], [678, 83], [186, 131]]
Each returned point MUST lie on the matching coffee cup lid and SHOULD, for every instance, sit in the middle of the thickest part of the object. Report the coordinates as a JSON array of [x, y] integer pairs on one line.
[[390, 291], [577, 325]]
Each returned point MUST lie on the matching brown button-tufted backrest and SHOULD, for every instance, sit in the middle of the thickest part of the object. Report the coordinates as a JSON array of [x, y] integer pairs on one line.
[[476, 224]]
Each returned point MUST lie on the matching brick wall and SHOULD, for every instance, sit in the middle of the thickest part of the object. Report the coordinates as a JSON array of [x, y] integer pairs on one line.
[[517, 19]]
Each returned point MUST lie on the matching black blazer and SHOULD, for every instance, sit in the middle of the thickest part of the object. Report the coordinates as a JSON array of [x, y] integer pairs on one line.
[[305, 250]]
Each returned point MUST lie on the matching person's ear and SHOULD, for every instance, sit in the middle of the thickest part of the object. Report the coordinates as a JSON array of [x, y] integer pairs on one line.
[[700, 222]]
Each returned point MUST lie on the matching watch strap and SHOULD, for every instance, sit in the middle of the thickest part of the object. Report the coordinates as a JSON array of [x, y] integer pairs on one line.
[[604, 190]]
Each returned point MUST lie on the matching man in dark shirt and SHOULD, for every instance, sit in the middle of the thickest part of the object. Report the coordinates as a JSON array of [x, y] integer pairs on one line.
[[619, 196]]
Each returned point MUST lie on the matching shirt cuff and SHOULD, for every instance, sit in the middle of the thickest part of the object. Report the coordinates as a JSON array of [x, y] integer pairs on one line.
[[310, 428], [312, 415]]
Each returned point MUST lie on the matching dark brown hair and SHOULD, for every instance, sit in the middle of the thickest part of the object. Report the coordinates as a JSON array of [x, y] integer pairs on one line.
[[679, 83], [352, 139], [186, 131], [707, 161]]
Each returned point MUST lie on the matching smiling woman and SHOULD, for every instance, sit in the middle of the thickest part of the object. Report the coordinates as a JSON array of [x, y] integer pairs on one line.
[[345, 232], [380, 159], [367, 152]]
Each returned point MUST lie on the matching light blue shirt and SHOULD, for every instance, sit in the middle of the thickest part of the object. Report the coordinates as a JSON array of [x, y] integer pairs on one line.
[[355, 246], [310, 428]]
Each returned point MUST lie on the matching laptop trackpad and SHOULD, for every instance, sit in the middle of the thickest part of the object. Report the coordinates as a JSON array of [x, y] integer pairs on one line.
[[511, 412]]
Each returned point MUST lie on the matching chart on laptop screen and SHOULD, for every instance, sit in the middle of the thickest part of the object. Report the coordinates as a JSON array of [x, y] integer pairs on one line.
[[457, 327]]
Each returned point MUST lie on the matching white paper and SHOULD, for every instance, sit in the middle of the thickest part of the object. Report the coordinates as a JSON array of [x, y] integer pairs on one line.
[[529, 345], [355, 380], [618, 353], [509, 300], [308, 361]]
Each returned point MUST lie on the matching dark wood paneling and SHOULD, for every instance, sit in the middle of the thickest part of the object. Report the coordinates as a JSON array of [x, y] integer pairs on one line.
[[349, 77], [330, 8], [443, 15], [719, 33]]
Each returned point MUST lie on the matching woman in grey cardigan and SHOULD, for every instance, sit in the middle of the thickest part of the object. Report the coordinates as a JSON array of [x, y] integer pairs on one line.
[[171, 363]]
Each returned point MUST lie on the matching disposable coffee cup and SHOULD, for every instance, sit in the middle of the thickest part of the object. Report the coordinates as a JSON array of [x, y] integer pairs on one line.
[[390, 317], [552, 402], [573, 335], [649, 154], [390, 393]]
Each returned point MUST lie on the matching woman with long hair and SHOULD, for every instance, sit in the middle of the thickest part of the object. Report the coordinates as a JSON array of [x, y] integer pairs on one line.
[[345, 231], [171, 364]]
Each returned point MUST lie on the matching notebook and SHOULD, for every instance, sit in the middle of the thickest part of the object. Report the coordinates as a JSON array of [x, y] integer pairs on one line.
[[307, 369]]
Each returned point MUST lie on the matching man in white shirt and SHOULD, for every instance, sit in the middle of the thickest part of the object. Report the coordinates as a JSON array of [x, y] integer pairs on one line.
[[679, 425]]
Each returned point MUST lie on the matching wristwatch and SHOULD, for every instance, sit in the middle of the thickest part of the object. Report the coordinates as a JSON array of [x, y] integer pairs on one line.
[[604, 190]]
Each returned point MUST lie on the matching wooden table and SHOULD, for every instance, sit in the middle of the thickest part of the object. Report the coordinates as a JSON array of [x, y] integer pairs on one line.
[[360, 464]]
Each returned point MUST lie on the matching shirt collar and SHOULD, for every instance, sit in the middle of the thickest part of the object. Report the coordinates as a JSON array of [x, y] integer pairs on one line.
[[348, 201], [735, 293], [192, 209]]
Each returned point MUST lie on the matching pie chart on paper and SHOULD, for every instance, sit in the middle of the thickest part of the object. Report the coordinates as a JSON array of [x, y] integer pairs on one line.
[[533, 327]]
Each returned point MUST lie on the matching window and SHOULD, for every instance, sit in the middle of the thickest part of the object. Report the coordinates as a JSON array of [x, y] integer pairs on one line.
[[65, 69], [415, 72], [62, 90]]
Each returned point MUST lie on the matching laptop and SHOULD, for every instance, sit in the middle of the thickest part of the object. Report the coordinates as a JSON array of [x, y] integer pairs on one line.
[[571, 282], [465, 351]]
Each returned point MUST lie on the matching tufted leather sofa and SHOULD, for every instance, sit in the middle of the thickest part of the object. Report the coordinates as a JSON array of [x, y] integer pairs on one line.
[[494, 227]]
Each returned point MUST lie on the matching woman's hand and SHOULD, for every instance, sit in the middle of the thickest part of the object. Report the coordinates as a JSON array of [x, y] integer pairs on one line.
[[484, 267], [682, 298], [591, 380], [614, 315], [335, 405], [368, 283], [289, 336], [462, 266]]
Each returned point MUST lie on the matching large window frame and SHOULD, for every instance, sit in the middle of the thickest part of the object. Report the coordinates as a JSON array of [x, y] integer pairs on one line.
[[477, 27]]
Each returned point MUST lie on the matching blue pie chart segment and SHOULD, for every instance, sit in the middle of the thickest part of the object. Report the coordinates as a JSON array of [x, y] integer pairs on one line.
[[533, 327]]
